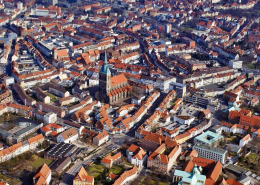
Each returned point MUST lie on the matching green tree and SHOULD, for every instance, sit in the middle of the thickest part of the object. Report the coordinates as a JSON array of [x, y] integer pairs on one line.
[[241, 159]]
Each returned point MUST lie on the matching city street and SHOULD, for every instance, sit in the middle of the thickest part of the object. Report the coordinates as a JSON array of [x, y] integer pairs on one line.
[[117, 141]]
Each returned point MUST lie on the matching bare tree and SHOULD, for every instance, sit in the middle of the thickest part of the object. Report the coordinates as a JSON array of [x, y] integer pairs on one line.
[[244, 150]]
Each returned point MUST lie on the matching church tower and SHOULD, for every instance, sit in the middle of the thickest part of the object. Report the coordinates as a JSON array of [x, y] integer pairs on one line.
[[104, 81]]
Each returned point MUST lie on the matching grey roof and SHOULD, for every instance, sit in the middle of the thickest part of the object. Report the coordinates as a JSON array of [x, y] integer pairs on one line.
[[235, 168], [23, 125], [234, 148], [61, 150], [60, 164]]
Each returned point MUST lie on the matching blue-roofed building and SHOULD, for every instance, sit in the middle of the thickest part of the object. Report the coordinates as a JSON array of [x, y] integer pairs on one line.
[[208, 138], [193, 178]]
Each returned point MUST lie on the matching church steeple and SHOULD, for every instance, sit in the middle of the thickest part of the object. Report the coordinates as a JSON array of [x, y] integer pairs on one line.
[[105, 69], [104, 81]]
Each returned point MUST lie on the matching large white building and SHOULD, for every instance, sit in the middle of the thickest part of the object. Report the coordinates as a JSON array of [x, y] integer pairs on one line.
[[50, 118], [20, 5], [187, 120], [244, 140], [68, 136], [101, 138], [236, 64], [213, 153], [136, 155]]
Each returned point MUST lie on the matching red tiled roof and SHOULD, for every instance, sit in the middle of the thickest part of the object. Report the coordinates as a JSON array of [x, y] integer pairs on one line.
[[82, 176], [125, 175], [214, 168], [118, 80], [233, 182]]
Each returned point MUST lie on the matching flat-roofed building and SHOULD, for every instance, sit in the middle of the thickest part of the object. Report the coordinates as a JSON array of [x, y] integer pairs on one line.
[[213, 153], [60, 150], [208, 138]]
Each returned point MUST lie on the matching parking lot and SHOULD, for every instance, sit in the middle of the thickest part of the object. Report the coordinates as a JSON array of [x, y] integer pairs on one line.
[[181, 127], [189, 110]]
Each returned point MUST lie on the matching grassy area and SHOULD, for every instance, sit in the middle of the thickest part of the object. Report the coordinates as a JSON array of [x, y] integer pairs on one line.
[[252, 156], [250, 163], [186, 28], [8, 116], [39, 162], [116, 170], [127, 163], [95, 170], [8, 179], [73, 103], [251, 66], [53, 98], [233, 154]]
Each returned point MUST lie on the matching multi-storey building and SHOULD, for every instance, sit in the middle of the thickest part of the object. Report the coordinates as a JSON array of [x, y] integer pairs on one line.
[[208, 138], [213, 153], [163, 158]]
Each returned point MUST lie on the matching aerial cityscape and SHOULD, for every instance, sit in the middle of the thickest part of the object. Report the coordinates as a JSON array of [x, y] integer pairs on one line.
[[129, 92]]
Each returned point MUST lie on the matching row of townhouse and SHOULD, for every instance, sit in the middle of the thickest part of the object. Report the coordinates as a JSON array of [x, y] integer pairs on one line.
[[233, 128], [152, 120], [42, 96], [36, 53], [82, 115], [127, 47], [20, 148], [219, 78], [126, 176], [41, 79], [58, 90], [166, 101], [23, 77], [104, 121], [83, 103], [15, 108], [28, 101], [129, 122], [6, 94], [130, 57], [85, 47], [207, 73], [248, 5], [239, 80], [159, 112], [193, 131], [50, 108]]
